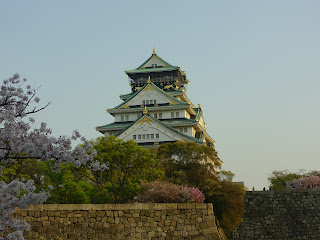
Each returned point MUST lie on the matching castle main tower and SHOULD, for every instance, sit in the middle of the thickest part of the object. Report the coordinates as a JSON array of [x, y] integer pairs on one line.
[[157, 110]]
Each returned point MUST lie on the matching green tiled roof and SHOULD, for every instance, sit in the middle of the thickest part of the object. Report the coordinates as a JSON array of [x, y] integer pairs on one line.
[[126, 95], [199, 113], [176, 131], [132, 96], [163, 124], [157, 57], [165, 93], [113, 126], [174, 92], [181, 121], [158, 69]]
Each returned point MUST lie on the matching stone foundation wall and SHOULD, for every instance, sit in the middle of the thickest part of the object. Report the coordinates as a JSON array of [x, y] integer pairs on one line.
[[120, 221], [287, 214]]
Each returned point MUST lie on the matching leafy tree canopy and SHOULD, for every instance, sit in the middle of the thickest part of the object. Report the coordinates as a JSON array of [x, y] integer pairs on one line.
[[278, 179], [186, 163], [126, 164]]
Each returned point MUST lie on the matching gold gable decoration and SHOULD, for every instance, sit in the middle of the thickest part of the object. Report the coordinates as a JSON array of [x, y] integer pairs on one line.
[[145, 111]]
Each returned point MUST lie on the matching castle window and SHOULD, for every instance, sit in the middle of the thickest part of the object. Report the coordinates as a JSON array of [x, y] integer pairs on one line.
[[160, 115], [152, 136], [177, 114], [157, 135], [148, 136], [172, 114], [127, 117], [134, 136], [147, 102], [122, 118], [185, 129], [151, 101], [139, 136], [155, 115], [154, 101], [143, 102], [143, 136]]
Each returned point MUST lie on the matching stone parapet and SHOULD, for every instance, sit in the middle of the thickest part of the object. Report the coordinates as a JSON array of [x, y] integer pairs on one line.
[[285, 214], [120, 221]]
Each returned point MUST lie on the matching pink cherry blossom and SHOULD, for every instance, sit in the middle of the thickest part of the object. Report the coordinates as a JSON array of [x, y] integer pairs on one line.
[[19, 141]]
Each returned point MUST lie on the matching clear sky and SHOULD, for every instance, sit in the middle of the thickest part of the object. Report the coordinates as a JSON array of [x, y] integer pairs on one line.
[[254, 66]]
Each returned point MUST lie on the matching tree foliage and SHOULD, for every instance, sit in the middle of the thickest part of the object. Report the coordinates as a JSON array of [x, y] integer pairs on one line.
[[119, 169], [301, 179], [186, 163]]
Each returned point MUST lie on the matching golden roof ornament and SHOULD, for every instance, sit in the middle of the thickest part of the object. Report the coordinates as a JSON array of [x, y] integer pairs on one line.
[[149, 81], [199, 105], [145, 111], [154, 51]]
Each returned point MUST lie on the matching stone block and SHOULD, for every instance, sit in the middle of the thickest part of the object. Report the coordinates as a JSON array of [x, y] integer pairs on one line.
[[191, 205], [46, 223], [171, 206], [201, 205], [151, 234]]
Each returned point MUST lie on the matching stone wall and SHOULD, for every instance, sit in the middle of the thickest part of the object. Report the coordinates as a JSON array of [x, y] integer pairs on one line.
[[120, 221], [287, 214]]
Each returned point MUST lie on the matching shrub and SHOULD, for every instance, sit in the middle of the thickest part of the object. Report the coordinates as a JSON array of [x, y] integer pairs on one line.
[[166, 192], [196, 195]]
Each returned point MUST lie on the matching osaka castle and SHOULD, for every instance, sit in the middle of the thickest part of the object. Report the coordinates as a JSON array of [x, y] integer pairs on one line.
[[157, 110]]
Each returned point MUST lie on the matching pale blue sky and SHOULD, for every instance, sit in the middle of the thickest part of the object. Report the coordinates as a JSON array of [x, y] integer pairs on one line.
[[253, 66]]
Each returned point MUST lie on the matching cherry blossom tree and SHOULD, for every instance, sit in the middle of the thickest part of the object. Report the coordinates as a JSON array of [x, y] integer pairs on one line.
[[20, 140], [311, 181]]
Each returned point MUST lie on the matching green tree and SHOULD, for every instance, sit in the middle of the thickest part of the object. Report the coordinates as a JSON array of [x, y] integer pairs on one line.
[[22, 169], [278, 179], [126, 164], [185, 155], [186, 163], [68, 186]]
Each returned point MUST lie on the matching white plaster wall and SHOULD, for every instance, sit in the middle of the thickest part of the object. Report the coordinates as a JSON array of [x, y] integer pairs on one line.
[[201, 122], [149, 128], [189, 130], [149, 95], [193, 132], [132, 116], [165, 114]]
